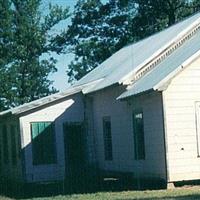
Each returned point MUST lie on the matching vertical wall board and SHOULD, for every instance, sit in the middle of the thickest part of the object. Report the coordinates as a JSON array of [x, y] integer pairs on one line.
[[180, 105]]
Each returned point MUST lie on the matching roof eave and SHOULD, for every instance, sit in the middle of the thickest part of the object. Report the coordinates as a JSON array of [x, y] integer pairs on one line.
[[163, 85], [121, 98], [5, 113]]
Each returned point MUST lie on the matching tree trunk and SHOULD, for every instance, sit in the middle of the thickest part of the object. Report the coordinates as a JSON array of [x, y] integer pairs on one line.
[[171, 18]]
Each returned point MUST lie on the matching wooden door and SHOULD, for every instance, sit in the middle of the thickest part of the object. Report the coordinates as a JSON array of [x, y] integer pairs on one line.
[[74, 148]]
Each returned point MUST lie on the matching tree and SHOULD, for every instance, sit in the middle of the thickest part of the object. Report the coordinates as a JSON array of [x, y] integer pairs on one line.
[[31, 38], [195, 4], [5, 48]]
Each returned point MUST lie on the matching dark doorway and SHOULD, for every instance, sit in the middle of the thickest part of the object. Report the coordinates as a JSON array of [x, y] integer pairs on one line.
[[75, 158]]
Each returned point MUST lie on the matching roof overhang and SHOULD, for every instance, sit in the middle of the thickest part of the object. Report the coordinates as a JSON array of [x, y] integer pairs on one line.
[[164, 83]]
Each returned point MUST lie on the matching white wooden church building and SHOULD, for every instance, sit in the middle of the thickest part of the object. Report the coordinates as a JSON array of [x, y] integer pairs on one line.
[[137, 112]]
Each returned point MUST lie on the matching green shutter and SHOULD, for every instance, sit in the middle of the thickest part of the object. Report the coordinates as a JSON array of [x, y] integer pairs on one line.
[[34, 130], [43, 145]]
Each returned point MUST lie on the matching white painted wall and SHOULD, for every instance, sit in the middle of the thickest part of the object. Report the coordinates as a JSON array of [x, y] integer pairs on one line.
[[69, 110], [179, 101], [154, 163], [105, 104]]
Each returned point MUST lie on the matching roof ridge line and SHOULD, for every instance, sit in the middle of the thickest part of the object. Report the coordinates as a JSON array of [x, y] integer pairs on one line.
[[159, 55], [141, 72]]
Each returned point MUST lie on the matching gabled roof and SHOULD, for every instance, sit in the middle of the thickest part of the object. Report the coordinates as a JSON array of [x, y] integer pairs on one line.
[[128, 60], [167, 69], [46, 100]]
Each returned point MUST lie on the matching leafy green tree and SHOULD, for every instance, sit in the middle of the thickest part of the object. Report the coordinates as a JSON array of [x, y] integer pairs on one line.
[[195, 4], [155, 15], [5, 49], [31, 37]]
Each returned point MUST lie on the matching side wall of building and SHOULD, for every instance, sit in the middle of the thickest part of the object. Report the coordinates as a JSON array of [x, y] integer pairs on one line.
[[180, 99], [120, 113], [69, 110]]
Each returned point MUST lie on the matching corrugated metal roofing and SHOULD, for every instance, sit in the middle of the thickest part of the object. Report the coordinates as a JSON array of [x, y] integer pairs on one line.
[[45, 100], [37, 103], [129, 58], [165, 68]]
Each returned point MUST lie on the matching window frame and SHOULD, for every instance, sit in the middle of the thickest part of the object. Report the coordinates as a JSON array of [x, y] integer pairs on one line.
[[107, 139], [197, 113], [138, 153]]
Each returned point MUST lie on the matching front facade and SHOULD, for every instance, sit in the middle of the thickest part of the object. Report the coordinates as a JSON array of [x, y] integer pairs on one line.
[[138, 116], [181, 100]]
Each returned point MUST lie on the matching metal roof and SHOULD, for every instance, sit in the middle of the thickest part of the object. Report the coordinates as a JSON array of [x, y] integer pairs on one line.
[[45, 100], [130, 58], [166, 69]]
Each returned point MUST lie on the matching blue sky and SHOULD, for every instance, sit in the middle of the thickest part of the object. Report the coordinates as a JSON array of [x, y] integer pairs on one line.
[[60, 77]]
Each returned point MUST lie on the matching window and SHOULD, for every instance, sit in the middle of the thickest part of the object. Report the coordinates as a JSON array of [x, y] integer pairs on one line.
[[198, 127], [138, 127], [13, 144], [107, 138], [43, 143], [5, 145]]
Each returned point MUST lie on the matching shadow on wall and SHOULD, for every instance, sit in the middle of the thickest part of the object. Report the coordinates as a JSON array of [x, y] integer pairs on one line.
[[80, 176], [42, 155]]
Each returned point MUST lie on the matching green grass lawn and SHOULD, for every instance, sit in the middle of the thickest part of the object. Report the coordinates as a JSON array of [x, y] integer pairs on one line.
[[179, 194]]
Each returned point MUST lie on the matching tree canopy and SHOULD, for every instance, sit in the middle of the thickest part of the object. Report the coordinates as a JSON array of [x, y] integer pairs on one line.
[[25, 35]]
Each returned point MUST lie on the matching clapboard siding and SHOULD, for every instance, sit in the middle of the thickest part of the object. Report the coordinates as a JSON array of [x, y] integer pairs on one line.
[[69, 110], [179, 101], [105, 104]]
